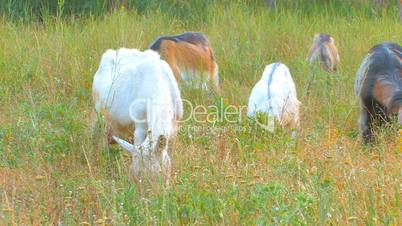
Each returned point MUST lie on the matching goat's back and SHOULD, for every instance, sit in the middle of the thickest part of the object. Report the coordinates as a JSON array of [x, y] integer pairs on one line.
[[131, 77], [383, 63], [275, 91]]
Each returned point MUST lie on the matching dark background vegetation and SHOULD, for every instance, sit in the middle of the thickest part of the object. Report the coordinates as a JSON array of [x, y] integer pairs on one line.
[[39, 10]]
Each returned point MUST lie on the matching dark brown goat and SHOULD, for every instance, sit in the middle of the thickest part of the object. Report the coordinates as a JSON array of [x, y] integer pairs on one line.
[[379, 87]]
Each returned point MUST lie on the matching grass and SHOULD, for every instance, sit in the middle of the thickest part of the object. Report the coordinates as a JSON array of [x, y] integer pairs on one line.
[[53, 170]]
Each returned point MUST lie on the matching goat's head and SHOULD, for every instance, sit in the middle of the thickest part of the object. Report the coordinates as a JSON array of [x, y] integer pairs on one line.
[[150, 160]]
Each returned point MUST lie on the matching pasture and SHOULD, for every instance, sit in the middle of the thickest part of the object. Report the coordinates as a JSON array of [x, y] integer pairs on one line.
[[55, 166]]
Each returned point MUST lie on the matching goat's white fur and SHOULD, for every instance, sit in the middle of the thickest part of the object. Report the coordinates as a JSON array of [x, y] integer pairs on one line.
[[138, 90]]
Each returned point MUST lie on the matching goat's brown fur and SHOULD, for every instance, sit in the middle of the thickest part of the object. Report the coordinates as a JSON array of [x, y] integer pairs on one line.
[[383, 93], [189, 55]]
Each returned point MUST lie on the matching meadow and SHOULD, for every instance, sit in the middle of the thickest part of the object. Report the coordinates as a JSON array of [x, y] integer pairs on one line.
[[55, 168]]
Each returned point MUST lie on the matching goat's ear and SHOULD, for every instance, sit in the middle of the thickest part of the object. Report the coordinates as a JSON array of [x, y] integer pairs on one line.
[[124, 144], [161, 144]]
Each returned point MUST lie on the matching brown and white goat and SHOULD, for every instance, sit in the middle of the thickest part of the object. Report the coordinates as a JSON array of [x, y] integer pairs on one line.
[[191, 57], [379, 87], [324, 50]]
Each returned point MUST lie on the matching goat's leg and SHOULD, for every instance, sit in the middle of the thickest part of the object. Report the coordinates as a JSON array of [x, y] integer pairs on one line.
[[109, 133], [365, 125]]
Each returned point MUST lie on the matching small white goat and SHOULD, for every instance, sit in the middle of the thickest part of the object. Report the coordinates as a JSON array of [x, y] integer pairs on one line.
[[137, 92], [275, 95]]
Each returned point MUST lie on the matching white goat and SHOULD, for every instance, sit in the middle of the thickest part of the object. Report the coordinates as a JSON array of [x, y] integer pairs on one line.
[[137, 92], [275, 95]]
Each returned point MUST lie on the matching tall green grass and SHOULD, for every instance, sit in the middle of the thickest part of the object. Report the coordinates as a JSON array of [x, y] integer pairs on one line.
[[53, 170]]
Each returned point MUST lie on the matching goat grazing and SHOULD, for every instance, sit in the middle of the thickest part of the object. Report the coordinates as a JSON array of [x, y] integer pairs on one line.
[[136, 92], [191, 57], [275, 95], [324, 50], [378, 85]]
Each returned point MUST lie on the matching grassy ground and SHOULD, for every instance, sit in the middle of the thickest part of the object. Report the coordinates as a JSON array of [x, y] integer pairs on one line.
[[53, 170]]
